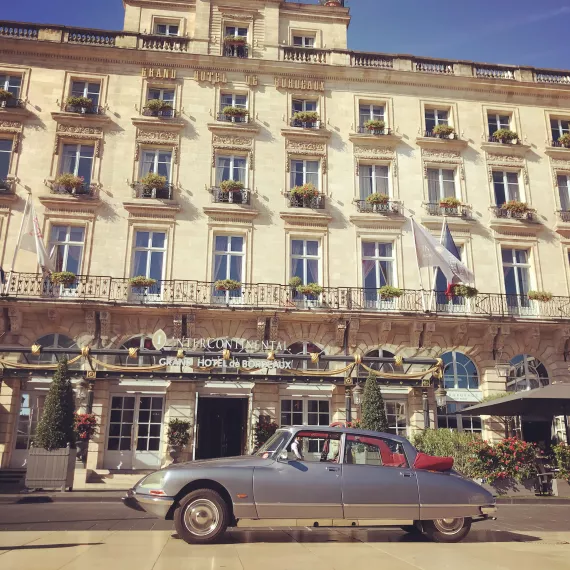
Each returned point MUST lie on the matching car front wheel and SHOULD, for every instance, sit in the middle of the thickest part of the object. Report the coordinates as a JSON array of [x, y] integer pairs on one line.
[[447, 530], [202, 517]]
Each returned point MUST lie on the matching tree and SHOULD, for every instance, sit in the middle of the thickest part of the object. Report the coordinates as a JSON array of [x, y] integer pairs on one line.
[[56, 426], [373, 407]]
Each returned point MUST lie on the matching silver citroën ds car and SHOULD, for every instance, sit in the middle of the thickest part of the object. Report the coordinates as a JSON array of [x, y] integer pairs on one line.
[[330, 477]]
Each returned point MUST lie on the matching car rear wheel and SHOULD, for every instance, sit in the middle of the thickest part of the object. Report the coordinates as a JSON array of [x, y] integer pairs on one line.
[[447, 530], [202, 517]]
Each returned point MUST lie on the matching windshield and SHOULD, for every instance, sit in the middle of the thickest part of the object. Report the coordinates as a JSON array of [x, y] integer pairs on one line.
[[274, 443]]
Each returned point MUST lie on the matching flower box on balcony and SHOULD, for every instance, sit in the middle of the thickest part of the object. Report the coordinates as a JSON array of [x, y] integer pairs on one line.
[[227, 285], [310, 290], [239, 112], [564, 140], [444, 132], [80, 104], [309, 117], [158, 107], [375, 127], [153, 181], [306, 191], [65, 278], [142, 281], [231, 186], [387, 292], [70, 183], [235, 40], [464, 291], [450, 203], [515, 207], [5, 95], [377, 199], [295, 282], [543, 296], [506, 136]]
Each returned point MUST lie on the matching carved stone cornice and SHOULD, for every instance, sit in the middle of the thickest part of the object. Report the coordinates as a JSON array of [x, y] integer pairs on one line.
[[159, 138], [234, 129], [158, 124], [353, 328], [505, 161], [14, 128], [92, 134], [509, 149], [391, 222], [364, 152], [230, 213], [71, 204], [295, 148], [144, 207], [305, 218], [390, 141], [433, 142], [80, 119], [558, 152], [233, 142], [442, 156], [306, 134]]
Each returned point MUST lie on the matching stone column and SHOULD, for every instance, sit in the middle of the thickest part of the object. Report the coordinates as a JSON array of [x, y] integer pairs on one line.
[[9, 410]]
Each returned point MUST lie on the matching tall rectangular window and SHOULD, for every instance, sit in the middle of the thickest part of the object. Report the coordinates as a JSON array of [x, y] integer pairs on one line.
[[5, 157], [67, 243], [304, 105], [166, 29], [374, 178], [516, 272], [396, 415], [233, 100], [87, 89], [497, 122], [166, 95], [441, 184], [149, 254], [305, 260], [377, 265], [11, 83], [304, 41], [236, 31], [230, 167], [157, 161], [304, 172], [434, 117], [370, 112], [506, 185], [563, 191], [229, 258], [307, 411], [291, 412], [78, 160], [559, 127]]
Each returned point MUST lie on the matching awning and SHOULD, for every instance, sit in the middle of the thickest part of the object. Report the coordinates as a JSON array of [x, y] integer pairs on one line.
[[552, 400]]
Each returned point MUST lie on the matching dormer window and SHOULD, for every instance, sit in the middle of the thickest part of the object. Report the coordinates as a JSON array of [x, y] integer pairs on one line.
[[167, 29], [235, 42]]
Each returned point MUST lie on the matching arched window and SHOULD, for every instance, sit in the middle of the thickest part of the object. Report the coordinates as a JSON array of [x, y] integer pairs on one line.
[[381, 366], [142, 343], [305, 347], [459, 371], [56, 340], [526, 373]]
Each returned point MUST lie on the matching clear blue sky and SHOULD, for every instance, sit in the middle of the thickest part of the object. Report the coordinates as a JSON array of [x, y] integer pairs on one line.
[[522, 32]]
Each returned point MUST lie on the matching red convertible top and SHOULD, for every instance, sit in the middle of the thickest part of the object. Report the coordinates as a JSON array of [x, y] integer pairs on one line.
[[431, 463]]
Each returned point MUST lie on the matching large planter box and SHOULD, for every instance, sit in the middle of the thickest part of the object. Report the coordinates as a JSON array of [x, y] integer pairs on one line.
[[50, 469], [511, 488]]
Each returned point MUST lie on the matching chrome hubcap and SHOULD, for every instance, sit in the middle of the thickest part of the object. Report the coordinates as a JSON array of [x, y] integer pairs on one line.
[[449, 526], [201, 517]]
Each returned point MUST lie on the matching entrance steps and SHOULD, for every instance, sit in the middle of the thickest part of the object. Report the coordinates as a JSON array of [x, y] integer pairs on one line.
[[108, 479]]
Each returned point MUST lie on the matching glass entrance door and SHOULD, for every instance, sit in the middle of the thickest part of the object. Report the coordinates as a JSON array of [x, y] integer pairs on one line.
[[135, 430], [31, 405]]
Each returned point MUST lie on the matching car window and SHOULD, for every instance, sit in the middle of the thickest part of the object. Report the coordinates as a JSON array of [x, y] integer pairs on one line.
[[366, 450], [317, 447], [273, 444]]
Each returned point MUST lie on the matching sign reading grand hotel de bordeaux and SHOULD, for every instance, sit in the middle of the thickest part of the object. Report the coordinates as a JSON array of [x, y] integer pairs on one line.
[[160, 341]]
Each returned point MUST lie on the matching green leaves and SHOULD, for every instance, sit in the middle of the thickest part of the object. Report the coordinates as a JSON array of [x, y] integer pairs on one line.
[[373, 407]]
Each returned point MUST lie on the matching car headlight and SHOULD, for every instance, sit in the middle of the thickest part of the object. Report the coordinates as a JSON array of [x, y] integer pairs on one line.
[[155, 480]]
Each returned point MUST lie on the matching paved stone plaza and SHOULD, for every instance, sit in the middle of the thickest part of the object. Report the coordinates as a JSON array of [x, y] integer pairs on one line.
[[108, 536]]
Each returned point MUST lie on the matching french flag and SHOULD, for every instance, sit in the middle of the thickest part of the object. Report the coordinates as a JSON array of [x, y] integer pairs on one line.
[[449, 244]]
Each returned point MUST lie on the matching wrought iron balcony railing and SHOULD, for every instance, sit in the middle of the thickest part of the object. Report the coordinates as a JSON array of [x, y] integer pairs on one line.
[[112, 290], [83, 190], [558, 144], [236, 50], [6, 185], [241, 197], [436, 209], [234, 118], [165, 192], [431, 134], [93, 110], [527, 215], [370, 131], [390, 207], [313, 202], [162, 113], [12, 103], [564, 215], [318, 124], [494, 139]]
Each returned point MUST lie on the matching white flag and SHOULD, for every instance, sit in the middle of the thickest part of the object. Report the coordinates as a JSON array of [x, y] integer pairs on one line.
[[32, 239], [430, 253]]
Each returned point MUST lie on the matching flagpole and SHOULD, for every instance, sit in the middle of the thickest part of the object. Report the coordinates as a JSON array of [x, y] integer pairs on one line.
[[435, 268], [22, 223], [418, 263]]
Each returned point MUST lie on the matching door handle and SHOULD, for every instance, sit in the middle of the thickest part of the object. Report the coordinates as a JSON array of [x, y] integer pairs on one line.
[[405, 474], [333, 469]]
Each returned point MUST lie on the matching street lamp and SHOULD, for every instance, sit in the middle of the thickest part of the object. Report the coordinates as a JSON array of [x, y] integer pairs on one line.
[[441, 397], [357, 394]]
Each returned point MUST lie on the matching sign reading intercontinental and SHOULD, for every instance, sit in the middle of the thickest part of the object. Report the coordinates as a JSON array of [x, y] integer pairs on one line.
[[160, 341]]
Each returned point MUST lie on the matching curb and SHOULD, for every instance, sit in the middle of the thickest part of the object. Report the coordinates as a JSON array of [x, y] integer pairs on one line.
[[32, 499], [530, 501]]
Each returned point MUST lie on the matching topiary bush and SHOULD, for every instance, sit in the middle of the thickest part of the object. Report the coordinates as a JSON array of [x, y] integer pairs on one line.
[[373, 415], [178, 434]]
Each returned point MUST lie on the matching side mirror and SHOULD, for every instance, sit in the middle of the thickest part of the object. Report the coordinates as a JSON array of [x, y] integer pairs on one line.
[[283, 456]]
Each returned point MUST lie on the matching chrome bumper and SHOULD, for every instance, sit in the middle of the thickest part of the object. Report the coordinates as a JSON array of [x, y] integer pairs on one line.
[[158, 506]]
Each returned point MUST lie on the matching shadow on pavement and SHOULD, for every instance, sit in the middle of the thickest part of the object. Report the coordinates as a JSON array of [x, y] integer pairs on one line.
[[43, 546]]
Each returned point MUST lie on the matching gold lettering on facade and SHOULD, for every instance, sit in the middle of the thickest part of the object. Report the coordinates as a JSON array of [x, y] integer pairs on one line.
[[299, 84], [210, 77], [251, 80], [158, 73]]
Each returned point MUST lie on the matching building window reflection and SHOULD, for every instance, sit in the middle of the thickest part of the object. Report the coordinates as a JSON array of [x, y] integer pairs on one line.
[[526, 373]]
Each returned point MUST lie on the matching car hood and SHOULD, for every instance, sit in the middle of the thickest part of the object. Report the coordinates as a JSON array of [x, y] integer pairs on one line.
[[240, 461]]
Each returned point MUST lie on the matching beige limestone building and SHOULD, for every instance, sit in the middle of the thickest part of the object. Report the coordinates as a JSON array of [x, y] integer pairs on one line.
[[266, 94]]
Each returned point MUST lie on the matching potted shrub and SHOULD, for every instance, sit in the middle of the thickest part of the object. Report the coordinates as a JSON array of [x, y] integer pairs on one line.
[[264, 429], [378, 199], [443, 131], [5, 95], [227, 285], [155, 106], [235, 40], [387, 292], [295, 282], [308, 117], [464, 291], [505, 136], [230, 111], [178, 436], [65, 278], [81, 103], [69, 182], [310, 290], [449, 203], [231, 186], [564, 140], [142, 281], [374, 126], [152, 182], [85, 429], [543, 296], [516, 207], [51, 459], [306, 191]]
